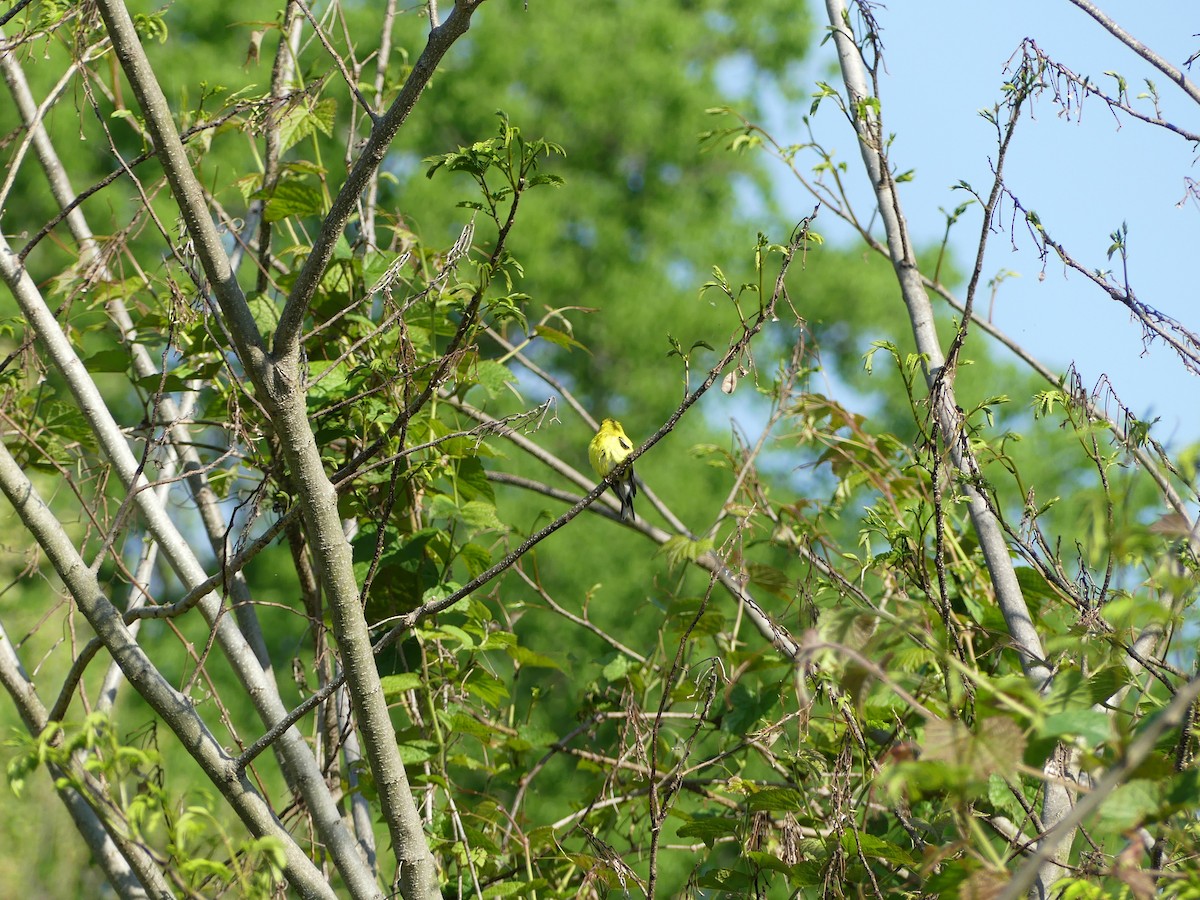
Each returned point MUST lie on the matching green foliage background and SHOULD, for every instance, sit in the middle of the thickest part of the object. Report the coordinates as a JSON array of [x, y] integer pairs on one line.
[[611, 264]]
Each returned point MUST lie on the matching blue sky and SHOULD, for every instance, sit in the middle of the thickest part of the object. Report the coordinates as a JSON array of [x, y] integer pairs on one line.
[[945, 61]]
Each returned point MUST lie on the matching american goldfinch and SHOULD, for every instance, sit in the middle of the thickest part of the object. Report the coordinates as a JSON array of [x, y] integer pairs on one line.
[[608, 448]]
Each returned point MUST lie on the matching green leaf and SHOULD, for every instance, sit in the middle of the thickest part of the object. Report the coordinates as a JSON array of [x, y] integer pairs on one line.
[[331, 381], [776, 799], [294, 198], [1001, 797], [729, 881], [303, 119], [451, 632], [205, 868], [486, 686], [559, 338], [709, 830], [531, 736], [394, 686], [510, 307], [150, 27], [770, 579], [492, 639], [748, 709], [460, 723], [1090, 724], [681, 549], [476, 558], [1072, 691], [413, 753], [1130, 805], [532, 659], [1034, 587], [114, 359], [1134, 613], [122, 289], [153, 384], [493, 377], [481, 516], [1183, 789], [617, 667], [769, 861], [871, 846], [682, 612]]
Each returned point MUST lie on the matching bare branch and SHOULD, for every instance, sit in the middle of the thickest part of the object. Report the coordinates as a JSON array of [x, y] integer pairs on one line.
[[176, 709], [1177, 77], [990, 534], [441, 38]]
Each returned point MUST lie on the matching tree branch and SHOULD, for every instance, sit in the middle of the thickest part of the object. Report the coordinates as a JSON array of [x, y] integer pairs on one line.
[[987, 528], [1177, 77], [441, 38], [251, 665], [184, 185], [176, 709]]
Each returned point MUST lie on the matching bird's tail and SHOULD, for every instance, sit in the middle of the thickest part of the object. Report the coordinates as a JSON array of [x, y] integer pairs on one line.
[[626, 491]]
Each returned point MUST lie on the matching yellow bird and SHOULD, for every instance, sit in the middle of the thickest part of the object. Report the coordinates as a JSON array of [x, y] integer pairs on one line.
[[608, 448]]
